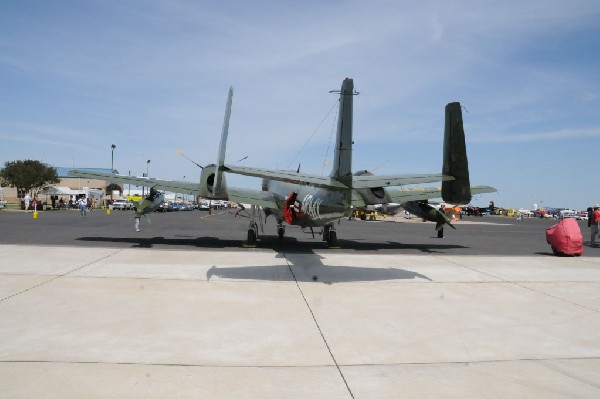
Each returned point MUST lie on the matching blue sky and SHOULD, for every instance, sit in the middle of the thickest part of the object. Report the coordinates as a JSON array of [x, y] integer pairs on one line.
[[152, 78]]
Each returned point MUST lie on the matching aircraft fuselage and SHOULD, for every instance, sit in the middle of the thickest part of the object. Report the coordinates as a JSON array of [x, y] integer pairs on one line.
[[312, 206]]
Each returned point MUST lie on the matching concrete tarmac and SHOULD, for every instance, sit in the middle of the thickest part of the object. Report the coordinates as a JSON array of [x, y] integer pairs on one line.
[[89, 308]]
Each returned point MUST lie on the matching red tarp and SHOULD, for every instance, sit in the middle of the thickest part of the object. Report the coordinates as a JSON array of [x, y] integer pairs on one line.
[[565, 237]]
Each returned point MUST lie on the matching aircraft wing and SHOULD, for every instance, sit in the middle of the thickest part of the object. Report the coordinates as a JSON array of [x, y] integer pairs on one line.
[[165, 185], [417, 194], [397, 180], [253, 197], [286, 176]]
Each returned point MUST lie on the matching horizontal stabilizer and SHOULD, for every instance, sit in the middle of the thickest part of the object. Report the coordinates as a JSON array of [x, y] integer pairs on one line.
[[285, 176], [366, 181], [482, 190], [425, 193]]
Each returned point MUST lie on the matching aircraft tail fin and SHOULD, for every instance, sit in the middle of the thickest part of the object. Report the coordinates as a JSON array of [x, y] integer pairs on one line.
[[342, 163], [218, 189], [455, 162]]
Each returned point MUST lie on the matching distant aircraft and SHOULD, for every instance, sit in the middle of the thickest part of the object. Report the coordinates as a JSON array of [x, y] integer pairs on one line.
[[314, 201]]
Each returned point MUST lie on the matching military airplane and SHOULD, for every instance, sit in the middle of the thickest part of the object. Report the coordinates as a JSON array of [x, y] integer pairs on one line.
[[313, 201]]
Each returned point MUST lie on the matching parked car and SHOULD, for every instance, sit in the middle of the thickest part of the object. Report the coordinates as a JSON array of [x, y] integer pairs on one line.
[[203, 206], [185, 206], [164, 207], [122, 205]]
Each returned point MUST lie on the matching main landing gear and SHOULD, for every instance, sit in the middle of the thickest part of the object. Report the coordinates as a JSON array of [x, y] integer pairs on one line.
[[330, 236], [252, 228]]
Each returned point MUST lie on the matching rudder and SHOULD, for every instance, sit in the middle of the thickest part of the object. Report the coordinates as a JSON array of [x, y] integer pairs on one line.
[[455, 161], [342, 162]]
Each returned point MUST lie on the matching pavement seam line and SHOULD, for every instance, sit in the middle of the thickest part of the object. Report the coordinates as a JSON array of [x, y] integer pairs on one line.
[[424, 363], [337, 366], [521, 285], [60, 275]]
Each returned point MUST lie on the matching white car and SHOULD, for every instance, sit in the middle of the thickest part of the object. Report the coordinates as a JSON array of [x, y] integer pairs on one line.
[[122, 205]]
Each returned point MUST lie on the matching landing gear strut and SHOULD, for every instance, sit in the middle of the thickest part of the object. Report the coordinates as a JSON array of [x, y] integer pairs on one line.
[[330, 236], [252, 229], [280, 229]]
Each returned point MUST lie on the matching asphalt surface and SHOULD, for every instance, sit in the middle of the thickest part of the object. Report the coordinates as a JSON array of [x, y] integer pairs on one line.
[[197, 230], [92, 309]]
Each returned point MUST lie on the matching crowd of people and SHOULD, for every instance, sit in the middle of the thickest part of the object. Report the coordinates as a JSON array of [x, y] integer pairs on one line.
[[33, 204]]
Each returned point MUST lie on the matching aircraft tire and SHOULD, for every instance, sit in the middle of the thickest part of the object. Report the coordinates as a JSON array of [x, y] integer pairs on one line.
[[251, 237], [326, 234], [332, 239], [280, 232]]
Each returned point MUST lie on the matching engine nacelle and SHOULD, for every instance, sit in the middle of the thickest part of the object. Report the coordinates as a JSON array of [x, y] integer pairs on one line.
[[207, 183], [375, 195]]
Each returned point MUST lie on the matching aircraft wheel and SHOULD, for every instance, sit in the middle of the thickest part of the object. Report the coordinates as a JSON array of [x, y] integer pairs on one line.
[[326, 234], [280, 232], [251, 237], [332, 239]]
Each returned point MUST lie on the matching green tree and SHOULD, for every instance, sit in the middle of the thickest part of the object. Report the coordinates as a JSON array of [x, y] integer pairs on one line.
[[27, 175]]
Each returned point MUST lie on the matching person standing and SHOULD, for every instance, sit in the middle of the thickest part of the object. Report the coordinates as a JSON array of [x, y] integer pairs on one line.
[[136, 223], [82, 207], [26, 201], [593, 221]]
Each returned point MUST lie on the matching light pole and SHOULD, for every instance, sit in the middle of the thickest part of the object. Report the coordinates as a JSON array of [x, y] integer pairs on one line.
[[147, 173], [112, 168]]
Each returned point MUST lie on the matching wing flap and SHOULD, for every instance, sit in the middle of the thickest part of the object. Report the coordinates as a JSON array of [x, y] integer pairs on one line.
[[254, 197]]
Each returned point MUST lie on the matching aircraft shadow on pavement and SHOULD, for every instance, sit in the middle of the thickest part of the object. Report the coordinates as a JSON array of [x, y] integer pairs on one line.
[[309, 267], [288, 244], [299, 261], [200, 242], [327, 274]]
